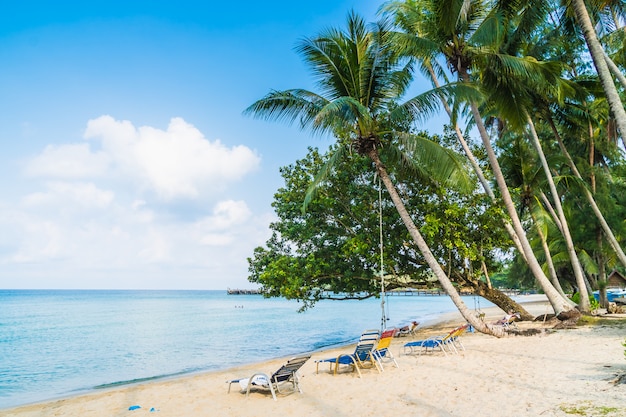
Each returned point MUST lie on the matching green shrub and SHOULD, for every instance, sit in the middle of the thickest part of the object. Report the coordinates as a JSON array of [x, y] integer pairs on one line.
[[593, 303]]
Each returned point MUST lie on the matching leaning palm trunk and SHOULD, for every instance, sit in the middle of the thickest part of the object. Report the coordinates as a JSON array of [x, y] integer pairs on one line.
[[608, 232], [599, 61], [426, 252], [551, 269], [559, 304], [497, 297], [615, 70], [477, 169], [569, 242]]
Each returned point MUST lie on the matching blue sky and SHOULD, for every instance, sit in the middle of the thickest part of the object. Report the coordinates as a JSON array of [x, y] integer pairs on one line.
[[125, 159]]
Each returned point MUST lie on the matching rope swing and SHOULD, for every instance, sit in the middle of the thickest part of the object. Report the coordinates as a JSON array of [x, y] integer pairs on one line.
[[383, 319]]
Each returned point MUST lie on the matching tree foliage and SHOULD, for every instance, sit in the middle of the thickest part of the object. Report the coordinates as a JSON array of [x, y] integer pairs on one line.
[[332, 249], [525, 73]]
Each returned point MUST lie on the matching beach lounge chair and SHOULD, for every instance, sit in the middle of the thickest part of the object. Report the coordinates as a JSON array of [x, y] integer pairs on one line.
[[382, 351], [509, 320], [455, 337], [287, 374], [450, 342], [407, 330], [362, 357]]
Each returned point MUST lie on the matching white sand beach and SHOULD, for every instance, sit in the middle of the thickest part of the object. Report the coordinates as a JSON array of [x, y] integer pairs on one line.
[[557, 373]]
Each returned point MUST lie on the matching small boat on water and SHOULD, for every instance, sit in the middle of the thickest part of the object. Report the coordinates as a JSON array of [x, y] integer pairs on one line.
[[613, 295]]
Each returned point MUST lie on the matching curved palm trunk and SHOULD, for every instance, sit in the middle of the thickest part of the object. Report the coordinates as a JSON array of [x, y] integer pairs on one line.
[[615, 70], [477, 169], [559, 304], [503, 301], [544, 243], [599, 61], [569, 242], [608, 232], [445, 282]]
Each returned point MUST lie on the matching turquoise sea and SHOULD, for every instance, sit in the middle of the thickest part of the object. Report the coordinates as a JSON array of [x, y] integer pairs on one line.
[[56, 343]]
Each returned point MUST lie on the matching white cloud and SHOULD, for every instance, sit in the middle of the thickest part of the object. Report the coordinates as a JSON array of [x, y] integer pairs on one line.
[[218, 229], [175, 163], [178, 162], [90, 224], [68, 161], [85, 195], [226, 214], [50, 250]]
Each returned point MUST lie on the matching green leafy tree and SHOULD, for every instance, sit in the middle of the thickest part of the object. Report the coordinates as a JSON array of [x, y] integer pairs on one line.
[[360, 79], [331, 250]]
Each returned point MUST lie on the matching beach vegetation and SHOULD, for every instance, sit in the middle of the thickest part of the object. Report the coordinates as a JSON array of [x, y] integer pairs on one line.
[[585, 408], [360, 78], [608, 321], [594, 304], [332, 249], [530, 81], [478, 56]]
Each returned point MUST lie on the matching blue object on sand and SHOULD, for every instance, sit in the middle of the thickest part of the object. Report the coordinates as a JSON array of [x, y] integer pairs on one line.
[[134, 407]]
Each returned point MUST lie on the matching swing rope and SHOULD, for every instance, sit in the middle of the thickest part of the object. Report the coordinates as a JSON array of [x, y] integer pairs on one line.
[[383, 319]]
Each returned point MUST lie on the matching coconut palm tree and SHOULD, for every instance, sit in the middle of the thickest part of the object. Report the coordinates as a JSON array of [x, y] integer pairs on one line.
[[406, 43], [580, 115], [598, 56], [467, 35], [523, 172], [360, 80], [513, 96]]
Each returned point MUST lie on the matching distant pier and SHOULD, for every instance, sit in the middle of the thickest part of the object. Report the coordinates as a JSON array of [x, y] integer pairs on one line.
[[237, 291], [414, 291]]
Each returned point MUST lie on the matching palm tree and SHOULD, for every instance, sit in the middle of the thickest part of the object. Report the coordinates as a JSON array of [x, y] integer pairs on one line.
[[360, 80], [580, 116], [598, 56], [524, 173], [608, 232], [467, 33]]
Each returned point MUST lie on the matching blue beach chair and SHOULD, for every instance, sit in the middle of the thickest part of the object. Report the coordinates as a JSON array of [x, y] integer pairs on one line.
[[362, 357], [450, 342]]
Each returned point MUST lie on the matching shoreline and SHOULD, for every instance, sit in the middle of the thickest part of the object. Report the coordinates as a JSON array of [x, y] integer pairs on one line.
[[321, 339], [202, 392], [432, 325]]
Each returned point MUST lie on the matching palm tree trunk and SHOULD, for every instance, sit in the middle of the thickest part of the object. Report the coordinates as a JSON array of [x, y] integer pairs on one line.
[[445, 282], [503, 301], [608, 233], [601, 281], [546, 249], [597, 54], [548, 206], [472, 159], [615, 70], [569, 242], [559, 304]]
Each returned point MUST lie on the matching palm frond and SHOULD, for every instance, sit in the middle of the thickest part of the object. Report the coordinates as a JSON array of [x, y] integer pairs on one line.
[[426, 104], [421, 157], [587, 262], [289, 106]]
